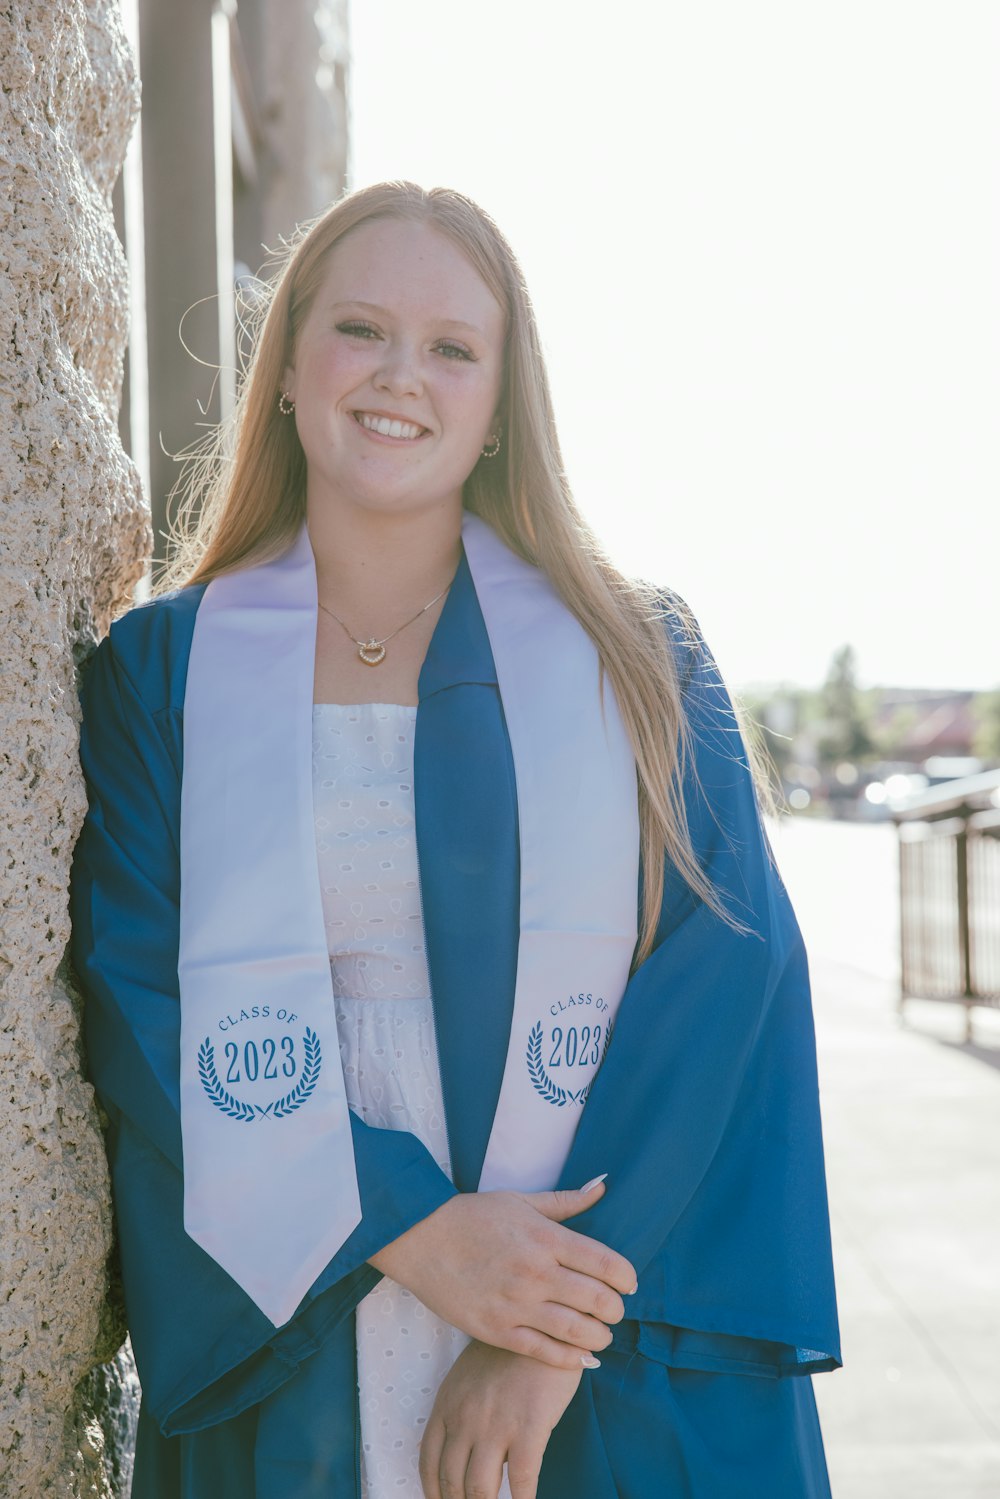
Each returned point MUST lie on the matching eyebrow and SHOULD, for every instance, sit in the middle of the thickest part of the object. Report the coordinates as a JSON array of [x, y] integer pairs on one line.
[[445, 322]]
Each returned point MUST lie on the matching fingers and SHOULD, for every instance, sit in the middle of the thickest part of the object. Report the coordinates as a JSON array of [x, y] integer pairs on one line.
[[567, 1325], [585, 1255], [454, 1462], [591, 1257], [538, 1345], [557, 1206], [484, 1473], [593, 1298], [449, 1471], [524, 1464]]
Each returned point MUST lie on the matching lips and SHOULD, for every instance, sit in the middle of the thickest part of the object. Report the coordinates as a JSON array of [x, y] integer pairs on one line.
[[389, 426]]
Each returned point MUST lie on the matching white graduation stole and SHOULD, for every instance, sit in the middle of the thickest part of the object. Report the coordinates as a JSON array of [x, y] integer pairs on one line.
[[578, 820], [270, 1186]]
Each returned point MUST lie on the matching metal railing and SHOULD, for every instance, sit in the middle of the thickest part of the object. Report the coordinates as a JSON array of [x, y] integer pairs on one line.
[[949, 889]]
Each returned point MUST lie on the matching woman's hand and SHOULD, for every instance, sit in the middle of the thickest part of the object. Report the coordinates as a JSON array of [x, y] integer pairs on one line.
[[493, 1407], [500, 1266]]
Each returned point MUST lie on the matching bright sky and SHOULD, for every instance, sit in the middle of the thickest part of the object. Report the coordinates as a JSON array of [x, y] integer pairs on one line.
[[763, 242]]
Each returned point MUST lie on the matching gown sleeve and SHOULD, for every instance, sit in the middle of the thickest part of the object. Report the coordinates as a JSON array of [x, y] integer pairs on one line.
[[204, 1350], [705, 1113]]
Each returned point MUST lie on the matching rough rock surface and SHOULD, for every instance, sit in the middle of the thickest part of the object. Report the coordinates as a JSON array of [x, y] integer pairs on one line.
[[75, 535]]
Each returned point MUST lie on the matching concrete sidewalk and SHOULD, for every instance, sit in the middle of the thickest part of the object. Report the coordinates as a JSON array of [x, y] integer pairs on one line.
[[911, 1120]]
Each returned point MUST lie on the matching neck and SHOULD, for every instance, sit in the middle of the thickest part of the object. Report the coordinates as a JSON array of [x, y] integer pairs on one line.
[[366, 560]]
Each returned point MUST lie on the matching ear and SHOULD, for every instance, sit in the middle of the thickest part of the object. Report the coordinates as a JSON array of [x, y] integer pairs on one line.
[[288, 381]]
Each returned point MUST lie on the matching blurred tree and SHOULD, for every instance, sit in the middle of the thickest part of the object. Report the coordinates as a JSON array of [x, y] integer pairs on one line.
[[776, 718], [768, 750], [845, 733], [775, 738], [986, 708]]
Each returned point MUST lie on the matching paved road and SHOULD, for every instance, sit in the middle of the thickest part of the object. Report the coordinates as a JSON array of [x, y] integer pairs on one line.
[[911, 1121]]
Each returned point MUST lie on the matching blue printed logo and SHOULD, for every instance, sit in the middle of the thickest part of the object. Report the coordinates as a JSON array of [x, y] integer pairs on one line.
[[568, 1047], [262, 1062]]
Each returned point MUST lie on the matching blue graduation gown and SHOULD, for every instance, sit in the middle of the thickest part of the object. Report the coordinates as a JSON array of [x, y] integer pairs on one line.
[[705, 1115]]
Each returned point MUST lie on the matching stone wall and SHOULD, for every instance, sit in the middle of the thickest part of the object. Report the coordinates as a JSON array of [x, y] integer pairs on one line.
[[75, 536]]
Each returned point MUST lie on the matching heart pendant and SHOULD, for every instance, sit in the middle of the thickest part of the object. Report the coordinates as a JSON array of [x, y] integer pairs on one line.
[[371, 653]]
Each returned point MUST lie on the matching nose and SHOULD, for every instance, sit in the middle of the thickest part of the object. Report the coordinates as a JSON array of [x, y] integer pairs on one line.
[[399, 370]]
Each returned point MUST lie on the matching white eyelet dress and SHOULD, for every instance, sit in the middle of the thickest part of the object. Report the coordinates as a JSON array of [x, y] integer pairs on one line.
[[367, 855]]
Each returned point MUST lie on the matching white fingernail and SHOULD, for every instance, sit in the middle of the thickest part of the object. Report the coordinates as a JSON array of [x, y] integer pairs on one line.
[[595, 1183], [589, 1361], [633, 1290]]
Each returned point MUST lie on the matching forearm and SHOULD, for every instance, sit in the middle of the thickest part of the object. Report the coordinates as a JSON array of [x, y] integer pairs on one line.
[[504, 1268]]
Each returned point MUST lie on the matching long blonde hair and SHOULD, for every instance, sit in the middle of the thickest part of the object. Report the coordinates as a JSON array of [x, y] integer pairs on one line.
[[242, 501]]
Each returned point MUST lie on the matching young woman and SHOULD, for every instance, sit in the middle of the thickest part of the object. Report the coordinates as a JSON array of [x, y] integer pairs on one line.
[[352, 1093]]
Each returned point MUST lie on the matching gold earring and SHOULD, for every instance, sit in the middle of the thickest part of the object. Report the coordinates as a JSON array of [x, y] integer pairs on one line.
[[285, 410], [493, 449]]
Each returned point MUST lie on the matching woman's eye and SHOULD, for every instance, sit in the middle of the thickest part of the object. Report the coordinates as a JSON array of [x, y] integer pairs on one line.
[[358, 330], [454, 351], [367, 333]]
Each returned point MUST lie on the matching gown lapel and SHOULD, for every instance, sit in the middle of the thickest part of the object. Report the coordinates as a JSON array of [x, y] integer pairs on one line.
[[465, 808]]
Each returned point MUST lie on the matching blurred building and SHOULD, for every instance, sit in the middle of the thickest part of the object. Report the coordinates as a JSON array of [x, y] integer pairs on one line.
[[243, 134], [914, 725]]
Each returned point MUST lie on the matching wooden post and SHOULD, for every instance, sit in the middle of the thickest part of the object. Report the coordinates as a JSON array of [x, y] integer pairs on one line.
[[964, 941]]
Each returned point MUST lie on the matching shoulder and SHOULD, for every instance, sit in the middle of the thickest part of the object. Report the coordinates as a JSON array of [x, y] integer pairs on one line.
[[150, 644], [693, 660], [712, 714]]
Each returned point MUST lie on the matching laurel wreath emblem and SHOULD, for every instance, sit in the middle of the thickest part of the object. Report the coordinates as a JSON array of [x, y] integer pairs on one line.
[[248, 1112], [543, 1084]]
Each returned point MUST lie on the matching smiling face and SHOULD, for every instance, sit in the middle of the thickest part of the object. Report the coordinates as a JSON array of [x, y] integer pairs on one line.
[[397, 370]]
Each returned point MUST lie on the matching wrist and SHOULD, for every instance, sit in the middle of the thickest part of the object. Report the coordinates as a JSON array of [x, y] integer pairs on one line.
[[392, 1259], [506, 1358]]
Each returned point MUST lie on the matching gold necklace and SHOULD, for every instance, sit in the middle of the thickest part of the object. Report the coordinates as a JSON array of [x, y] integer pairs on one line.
[[372, 651]]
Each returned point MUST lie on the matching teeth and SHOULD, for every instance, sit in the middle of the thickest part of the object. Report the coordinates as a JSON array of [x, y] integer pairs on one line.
[[388, 428]]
